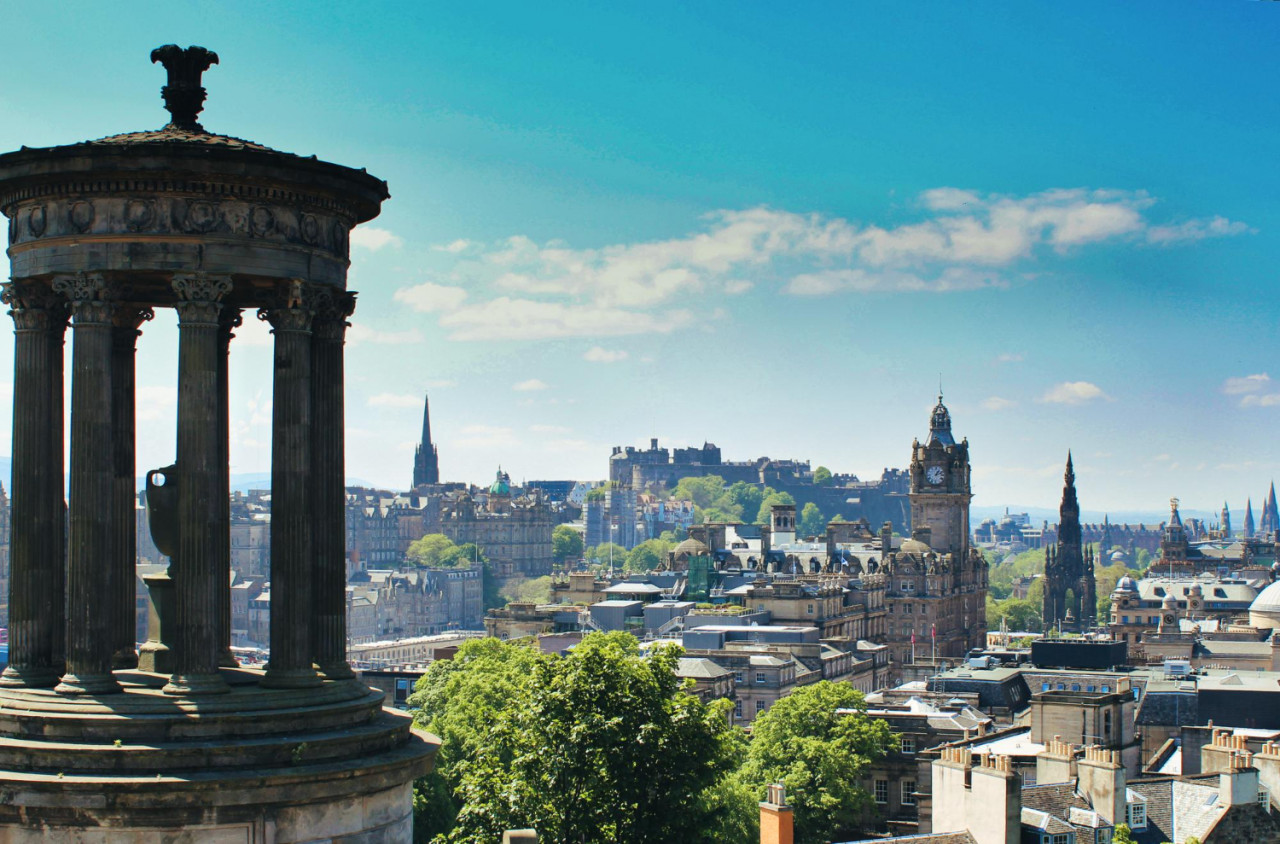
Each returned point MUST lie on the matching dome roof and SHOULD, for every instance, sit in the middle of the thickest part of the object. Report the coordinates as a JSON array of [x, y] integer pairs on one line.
[[1268, 600], [691, 547], [914, 546], [1126, 584], [501, 484]]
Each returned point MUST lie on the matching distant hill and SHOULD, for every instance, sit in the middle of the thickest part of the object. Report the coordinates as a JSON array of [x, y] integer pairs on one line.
[[1045, 514]]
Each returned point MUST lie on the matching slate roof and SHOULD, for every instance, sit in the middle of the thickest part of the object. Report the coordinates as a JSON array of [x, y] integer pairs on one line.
[[928, 838], [174, 135]]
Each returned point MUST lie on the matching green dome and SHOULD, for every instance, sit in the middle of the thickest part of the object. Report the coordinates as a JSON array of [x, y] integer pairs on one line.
[[502, 484]]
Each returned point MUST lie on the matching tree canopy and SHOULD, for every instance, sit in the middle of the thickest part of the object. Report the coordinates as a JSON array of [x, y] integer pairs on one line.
[[771, 497], [647, 556], [437, 551], [820, 755], [600, 745], [822, 476], [812, 522], [566, 544]]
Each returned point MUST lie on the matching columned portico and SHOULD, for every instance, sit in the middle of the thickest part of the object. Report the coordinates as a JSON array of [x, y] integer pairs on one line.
[[103, 232]]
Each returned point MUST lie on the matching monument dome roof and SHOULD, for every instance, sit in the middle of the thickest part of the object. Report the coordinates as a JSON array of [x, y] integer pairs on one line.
[[1268, 600], [914, 546], [1126, 584], [692, 547]]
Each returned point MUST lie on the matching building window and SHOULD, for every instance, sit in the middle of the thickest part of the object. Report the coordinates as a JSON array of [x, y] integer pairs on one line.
[[909, 609], [759, 677], [1063, 838], [1138, 815], [882, 791], [737, 708], [809, 609], [908, 744], [1264, 798], [739, 677], [760, 706], [1044, 687], [908, 792]]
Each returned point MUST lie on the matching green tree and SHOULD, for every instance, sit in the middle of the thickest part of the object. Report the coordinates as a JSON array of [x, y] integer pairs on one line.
[[742, 498], [702, 491], [599, 554], [566, 544], [812, 522], [771, 497], [822, 476], [1019, 614], [647, 556], [598, 493], [536, 590], [1122, 835], [430, 551], [820, 756], [603, 747], [458, 699]]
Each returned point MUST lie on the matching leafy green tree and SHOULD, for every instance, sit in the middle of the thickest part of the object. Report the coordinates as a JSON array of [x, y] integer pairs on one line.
[[715, 514], [1019, 614], [771, 497], [598, 493], [822, 476], [1143, 560], [819, 756], [536, 590], [742, 497], [599, 554], [702, 491], [566, 544], [675, 537], [458, 700], [1122, 835], [647, 556], [430, 551], [603, 747], [812, 522]]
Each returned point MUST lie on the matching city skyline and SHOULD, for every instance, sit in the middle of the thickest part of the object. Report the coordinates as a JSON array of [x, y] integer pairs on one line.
[[774, 232]]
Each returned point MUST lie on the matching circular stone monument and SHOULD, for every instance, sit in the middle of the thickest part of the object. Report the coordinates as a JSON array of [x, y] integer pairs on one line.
[[99, 743]]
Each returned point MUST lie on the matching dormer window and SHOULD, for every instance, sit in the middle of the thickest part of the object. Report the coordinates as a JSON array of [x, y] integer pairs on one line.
[[1138, 815]]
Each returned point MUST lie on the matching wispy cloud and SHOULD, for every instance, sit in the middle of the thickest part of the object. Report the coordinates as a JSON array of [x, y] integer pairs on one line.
[[398, 400], [997, 403], [1252, 390], [597, 354], [532, 385], [522, 289], [486, 438], [156, 403], [1009, 357], [374, 238], [1073, 392]]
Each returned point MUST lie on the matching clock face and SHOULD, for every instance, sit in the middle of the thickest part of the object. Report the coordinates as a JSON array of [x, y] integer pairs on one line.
[[934, 475]]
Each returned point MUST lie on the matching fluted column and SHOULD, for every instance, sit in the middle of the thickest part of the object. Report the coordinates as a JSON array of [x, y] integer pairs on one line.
[[202, 535], [291, 516], [328, 463], [36, 567], [89, 611], [229, 321], [124, 547]]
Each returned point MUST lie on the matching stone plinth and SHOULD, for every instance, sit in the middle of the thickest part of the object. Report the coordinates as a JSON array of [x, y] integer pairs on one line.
[[254, 765]]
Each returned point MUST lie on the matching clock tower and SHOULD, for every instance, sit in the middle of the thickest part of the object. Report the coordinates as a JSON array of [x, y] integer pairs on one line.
[[939, 491]]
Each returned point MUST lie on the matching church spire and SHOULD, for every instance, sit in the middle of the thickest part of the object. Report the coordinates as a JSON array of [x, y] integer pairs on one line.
[[1270, 515], [426, 461], [1248, 519]]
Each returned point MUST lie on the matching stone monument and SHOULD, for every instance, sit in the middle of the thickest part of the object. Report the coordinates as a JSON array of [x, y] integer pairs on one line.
[[95, 746]]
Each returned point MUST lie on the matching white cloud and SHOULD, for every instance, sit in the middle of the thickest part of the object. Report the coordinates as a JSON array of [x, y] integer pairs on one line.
[[156, 403], [529, 386], [361, 333], [1260, 400], [441, 384], [863, 281], [374, 238], [549, 429], [597, 354], [1009, 357], [1192, 230], [429, 298], [253, 332], [456, 247], [1246, 384], [737, 286], [997, 403], [395, 400], [527, 319], [1073, 392]]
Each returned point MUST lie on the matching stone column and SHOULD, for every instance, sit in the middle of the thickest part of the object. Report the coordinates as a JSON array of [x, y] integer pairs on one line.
[[124, 548], [89, 610], [36, 574], [229, 321], [202, 533], [329, 530], [291, 516]]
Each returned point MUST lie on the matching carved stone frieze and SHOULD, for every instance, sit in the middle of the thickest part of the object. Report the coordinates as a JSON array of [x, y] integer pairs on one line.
[[160, 215]]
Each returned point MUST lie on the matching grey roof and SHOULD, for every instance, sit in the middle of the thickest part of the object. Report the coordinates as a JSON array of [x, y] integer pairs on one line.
[[700, 668]]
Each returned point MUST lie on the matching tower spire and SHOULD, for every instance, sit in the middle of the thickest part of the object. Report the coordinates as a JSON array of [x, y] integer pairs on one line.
[[426, 461]]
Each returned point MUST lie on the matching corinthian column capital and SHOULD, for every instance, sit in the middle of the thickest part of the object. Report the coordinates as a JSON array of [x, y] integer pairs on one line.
[[200, 295], [294, 311]]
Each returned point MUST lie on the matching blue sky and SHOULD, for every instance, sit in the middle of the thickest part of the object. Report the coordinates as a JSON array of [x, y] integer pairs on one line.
[[769, 226]]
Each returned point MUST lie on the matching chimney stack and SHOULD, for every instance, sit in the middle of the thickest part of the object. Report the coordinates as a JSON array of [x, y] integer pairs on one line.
[[777, 826]]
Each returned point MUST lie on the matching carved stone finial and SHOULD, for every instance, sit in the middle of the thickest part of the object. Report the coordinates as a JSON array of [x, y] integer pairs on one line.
[[184, 95]]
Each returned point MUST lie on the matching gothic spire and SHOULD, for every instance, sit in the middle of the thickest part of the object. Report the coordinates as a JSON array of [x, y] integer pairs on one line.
[[940, 424], [1248, 519], [426, 460]]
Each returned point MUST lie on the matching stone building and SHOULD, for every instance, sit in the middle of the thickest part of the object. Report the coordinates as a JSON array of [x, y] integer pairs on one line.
[[662, 468], [936, 584], [514, 532]]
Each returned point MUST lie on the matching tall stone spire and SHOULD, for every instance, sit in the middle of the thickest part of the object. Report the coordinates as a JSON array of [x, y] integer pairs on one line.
[[426, 461], [1067, 569], [1248, 519], [1270, 515], [1225, 521]]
